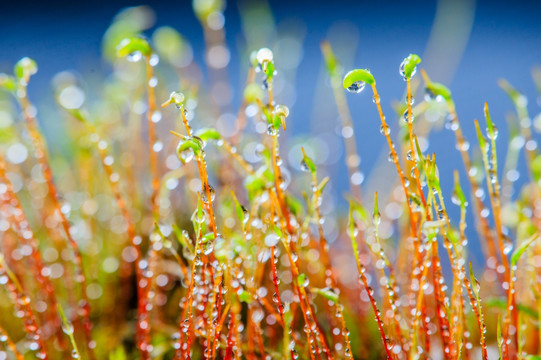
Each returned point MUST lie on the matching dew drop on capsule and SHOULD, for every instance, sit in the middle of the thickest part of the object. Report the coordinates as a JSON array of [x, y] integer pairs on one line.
[[134, 56], [202, 143], [402, 70], [271, 130], [304, 166], [186, 155], [385, 129], [455, 199], [356, 87]]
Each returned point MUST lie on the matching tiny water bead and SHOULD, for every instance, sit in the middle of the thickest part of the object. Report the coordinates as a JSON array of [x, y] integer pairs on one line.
[[186, 155], [202, 143], [156, 116], [407, 117], [408, 67], [492, 135], [304, 166], [430, 95], [134, 56], [272, 130], [409, 155], [204, 194], [246, 214], [356, 87]]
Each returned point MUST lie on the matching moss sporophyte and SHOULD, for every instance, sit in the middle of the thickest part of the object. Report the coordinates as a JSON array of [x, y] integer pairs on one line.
[[194, 231]]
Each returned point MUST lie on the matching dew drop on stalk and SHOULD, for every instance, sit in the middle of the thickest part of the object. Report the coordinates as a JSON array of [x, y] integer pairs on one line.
[[156, 116], [208, 247], [154, 60], [409, 155], [507, 245], [406, 117], [246, 214], [271, 130], [356, 87], [204, 194], [385, 129]]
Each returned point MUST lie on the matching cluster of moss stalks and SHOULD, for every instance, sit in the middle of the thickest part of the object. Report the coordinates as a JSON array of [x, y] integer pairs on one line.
[[135, 243]]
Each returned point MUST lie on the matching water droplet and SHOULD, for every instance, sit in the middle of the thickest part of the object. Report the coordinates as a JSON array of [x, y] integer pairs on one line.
[[271, 130], [406, 117], [156, 116], [154, 60], [153, 82], [304, 166], [402, 69], [204, 194], [264, 55], [356, 87], [186, 155], [494, 134], [134, 56], [158, 146], [246, 214], [455, 199], [507, 245], [385, 129], [202, 143], [431, 96], [67, 328], [208, 247]]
